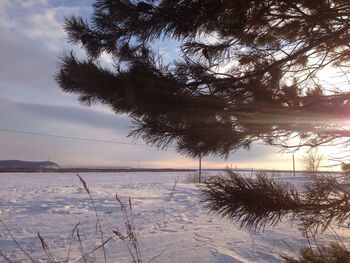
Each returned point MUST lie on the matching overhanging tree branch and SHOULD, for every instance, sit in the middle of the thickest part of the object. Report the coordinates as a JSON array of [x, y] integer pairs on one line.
[[246, 70]]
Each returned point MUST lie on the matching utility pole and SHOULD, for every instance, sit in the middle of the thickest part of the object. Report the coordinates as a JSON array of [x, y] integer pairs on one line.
[[200, 168], [293, 165]]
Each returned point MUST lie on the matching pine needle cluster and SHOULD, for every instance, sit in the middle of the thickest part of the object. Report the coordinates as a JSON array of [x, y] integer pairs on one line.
[[260, 201]]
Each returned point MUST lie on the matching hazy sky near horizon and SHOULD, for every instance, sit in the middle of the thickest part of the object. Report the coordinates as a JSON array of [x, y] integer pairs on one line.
[[31, 41]]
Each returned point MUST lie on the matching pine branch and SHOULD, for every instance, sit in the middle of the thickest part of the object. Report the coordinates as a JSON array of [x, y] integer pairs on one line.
[[261, 201], [254, 202]]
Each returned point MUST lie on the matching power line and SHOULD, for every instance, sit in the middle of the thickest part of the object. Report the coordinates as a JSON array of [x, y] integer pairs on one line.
[[68, 137], [250, 154]]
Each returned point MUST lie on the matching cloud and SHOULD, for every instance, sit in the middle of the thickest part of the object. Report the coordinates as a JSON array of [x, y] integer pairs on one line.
[[31, 41], [85, 116], [26, 63], [88, 117], [40, 19]]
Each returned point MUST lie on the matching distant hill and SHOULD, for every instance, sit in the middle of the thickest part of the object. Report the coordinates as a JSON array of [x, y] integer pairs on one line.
[[17, 164]]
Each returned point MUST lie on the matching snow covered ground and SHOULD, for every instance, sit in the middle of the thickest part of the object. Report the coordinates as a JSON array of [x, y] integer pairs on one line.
[[172, 230]]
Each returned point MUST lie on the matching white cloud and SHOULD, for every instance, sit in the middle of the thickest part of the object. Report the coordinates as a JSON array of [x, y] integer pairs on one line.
[[39, 19], [45, 26]]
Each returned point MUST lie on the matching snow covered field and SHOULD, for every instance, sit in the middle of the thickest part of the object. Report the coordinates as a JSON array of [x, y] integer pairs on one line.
[[176, 230]]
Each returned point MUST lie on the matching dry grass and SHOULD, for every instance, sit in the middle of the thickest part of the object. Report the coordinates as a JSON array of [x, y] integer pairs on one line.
[[127, 235], [332, 253]]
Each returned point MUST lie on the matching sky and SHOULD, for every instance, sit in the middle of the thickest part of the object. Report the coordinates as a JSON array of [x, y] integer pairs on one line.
[[32, 106]]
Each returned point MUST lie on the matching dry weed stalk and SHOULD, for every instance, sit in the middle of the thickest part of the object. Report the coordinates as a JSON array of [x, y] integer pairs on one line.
[[96, 214], [174, 186], [81, 246], [130, 238], [46, 248], [71, 241]]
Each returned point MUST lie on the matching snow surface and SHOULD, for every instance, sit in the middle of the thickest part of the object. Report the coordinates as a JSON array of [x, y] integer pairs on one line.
[[172, 230]]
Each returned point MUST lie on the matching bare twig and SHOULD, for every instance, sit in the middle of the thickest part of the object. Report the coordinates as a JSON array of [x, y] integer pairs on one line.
[[172, 191], [158, 255], [18, 245], [93, 250], [286, 243], [71, 241], [123, 239], [46, 248], [81, 247]]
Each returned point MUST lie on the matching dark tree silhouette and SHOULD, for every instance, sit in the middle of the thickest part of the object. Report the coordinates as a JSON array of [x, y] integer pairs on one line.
[[246, 70]]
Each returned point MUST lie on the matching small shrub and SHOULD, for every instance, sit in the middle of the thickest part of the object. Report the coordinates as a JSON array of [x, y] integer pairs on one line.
[[333, 253]]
